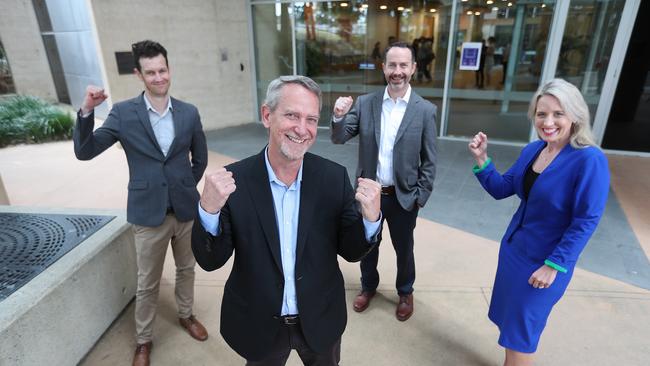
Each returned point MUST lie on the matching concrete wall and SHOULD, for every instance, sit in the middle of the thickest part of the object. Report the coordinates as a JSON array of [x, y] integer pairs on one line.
[[25, 51], [206, 41]]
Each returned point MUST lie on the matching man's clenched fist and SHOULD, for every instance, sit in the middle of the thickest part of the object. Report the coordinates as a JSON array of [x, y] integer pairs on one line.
[[216, 190]]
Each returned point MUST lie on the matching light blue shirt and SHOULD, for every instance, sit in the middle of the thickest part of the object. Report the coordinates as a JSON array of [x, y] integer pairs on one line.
[[162, 124], [287, 206]]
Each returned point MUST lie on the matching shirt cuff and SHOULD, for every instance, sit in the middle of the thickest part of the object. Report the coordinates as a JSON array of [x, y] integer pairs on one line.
[[85, 115], [476, 169], [336, 119], [371, 228], [557, 267], [210, 222]]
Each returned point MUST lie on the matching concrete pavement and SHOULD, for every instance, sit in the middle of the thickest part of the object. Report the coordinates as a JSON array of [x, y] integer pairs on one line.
[[600, 321]]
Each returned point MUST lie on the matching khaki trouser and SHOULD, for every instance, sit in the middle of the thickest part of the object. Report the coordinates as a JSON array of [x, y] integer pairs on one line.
[[151, 246]]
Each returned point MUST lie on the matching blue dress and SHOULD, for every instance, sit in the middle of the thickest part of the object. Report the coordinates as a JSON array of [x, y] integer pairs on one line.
[[551, 226]]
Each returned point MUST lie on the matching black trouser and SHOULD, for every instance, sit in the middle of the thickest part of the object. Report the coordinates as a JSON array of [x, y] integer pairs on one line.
[[401, 224], [290, 337]]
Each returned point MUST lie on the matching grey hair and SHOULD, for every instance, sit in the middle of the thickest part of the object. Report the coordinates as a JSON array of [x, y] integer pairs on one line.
[[273, 92], [573, 104]]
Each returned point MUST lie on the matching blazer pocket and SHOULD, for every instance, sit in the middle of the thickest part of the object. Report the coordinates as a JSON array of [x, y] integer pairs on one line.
[[138, 184]]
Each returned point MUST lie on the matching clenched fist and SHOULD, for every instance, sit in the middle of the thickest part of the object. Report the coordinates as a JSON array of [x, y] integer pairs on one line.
[[342, 106], [216, 190], [369, 196], [94, 96], [478, 147]]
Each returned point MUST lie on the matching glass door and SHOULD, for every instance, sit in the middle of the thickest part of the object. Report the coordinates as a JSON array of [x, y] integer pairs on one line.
[[494, 99]]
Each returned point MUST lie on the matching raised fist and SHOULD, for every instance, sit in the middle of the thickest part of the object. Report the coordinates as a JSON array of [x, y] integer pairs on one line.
[[342, 106], [216, 190]]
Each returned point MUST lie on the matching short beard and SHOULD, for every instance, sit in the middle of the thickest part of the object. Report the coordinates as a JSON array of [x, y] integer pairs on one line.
[[292, 155]]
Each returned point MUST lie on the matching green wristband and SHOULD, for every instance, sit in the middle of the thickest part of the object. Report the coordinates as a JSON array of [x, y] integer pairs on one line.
[[476, 169], [557, 267]]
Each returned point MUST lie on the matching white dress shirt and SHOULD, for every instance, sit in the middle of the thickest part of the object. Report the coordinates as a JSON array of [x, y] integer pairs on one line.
[[392, 113]]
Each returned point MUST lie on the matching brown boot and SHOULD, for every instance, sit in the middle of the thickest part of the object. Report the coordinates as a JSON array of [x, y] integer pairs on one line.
[[194, 328], [362, 300], [404, 308], [141, 357]]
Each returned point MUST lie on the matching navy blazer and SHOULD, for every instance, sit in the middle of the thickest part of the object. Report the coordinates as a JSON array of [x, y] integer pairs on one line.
[[328, 225], [564, 205], [153, 177], [414, 152]]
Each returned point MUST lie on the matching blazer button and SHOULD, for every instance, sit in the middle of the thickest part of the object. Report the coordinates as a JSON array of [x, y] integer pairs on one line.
[[299, 278]]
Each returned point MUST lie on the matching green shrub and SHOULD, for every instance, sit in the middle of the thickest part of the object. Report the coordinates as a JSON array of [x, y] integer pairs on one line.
[[27, 119]]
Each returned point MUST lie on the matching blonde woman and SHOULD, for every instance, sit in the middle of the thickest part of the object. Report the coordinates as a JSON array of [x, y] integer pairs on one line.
[[563, 182]]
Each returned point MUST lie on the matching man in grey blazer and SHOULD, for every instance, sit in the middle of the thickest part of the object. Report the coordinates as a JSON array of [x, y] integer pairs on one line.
[[158, 134], [397, 147]]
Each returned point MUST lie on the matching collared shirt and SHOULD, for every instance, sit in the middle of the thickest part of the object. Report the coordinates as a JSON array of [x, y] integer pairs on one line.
[[287, 206], [163, 125], [392, 113]]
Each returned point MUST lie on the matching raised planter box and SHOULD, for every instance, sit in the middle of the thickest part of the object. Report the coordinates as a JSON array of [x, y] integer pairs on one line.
[[58, 316]]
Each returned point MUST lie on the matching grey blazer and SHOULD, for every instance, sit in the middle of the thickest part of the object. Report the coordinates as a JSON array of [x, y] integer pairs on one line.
[[153, 177], [414, 152]]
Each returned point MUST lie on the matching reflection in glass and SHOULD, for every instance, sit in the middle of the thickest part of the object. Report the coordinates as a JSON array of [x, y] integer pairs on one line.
[[6, 80], [494, 98], [587, 45], [273, 51]]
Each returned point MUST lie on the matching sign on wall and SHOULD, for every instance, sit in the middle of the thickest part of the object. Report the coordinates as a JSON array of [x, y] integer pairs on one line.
[[470, 56]]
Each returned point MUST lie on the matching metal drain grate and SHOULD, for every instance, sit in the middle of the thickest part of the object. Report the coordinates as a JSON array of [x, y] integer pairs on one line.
[[29, 243]]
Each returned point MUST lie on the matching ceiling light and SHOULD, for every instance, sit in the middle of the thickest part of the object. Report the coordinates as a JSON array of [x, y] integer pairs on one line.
[[400, 8], [344, 5], [433, 10], [365, 6], [383, 7], [509, 4], [477, 13]]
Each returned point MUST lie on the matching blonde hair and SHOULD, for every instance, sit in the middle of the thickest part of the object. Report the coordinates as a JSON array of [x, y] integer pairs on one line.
[[573, 104]]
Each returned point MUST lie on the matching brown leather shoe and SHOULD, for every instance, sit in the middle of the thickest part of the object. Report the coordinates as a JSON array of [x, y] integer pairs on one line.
[[141, 357], [194, 327], [404, 308], [362, 300]]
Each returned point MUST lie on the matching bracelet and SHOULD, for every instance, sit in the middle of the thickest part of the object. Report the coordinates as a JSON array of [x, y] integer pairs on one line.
[[476, 169]]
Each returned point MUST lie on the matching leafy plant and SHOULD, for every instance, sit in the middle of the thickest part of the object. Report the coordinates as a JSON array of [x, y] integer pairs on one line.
[[28, 119]]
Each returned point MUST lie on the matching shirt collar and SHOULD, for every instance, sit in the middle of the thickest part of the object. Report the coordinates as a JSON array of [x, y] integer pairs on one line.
[[406, 97], [272, 176], [151, 108]]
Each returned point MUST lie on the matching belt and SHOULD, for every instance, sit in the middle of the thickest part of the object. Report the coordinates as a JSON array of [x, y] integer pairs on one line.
[[388, 190], [170, 211], [290, 319]]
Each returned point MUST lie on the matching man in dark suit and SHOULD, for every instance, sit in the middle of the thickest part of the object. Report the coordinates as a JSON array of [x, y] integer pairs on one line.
[[158, 134], [397, 147], [286, 214]]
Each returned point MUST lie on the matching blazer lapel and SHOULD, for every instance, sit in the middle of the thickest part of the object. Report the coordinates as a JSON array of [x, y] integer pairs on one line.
[[309, 185], [143, 116], [178, 117], [376, 114], [408, 115], [263, 200]]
